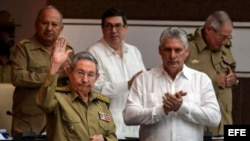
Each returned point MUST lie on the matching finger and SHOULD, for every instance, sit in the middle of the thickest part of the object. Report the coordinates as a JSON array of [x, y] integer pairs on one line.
[[165, 102], [181, 94], [57, 45], [229, 70], [65, 41]]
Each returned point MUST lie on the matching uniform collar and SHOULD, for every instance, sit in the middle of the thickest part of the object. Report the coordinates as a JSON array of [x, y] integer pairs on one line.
[[74, 96], [185, 72], [199, 40]]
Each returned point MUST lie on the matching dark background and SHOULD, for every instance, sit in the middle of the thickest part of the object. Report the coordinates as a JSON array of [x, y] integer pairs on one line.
[[193, 10]]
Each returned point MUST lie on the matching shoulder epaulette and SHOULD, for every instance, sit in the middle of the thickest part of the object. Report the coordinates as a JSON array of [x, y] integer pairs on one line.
[[102, 97], [24, 41], [228, 44], [69, 46], [63, 89], [190, 37]]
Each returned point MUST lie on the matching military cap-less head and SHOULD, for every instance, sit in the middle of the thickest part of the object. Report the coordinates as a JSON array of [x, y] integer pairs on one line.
[[6, 19]]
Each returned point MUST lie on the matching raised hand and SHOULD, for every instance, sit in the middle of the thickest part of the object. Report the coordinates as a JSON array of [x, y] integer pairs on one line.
[[60, 54]]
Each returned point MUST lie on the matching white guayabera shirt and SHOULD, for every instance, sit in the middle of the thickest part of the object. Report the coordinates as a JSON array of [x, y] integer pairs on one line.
[[199, 107], [115, 72]]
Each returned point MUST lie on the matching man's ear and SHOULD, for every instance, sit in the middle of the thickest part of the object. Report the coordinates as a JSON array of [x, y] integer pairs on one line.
[[97, 76], [187, 51], [159, 49], [209, 28], [62, 27]]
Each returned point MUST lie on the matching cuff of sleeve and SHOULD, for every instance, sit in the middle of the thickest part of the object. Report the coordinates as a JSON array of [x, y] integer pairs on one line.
[[159, 112], [51, 80], [184, 108]]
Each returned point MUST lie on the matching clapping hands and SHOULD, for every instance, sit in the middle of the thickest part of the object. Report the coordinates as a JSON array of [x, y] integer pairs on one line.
[[172, 102]]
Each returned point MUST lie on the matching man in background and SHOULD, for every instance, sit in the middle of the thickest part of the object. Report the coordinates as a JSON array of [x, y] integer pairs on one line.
[[210, 53], [119, 63], [7, 41], [31, 62]]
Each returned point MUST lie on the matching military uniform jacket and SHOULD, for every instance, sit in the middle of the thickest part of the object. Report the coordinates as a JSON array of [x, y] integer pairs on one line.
[[30, 65], [5, 69], [5, 72], [69, 118], [203, 59]]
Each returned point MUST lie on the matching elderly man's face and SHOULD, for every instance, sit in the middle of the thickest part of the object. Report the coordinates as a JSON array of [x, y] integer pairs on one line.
[[216, 39], [83, 76], [49, 26]]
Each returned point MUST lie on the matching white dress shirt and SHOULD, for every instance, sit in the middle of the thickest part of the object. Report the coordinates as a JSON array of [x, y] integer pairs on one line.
[[115, 72], [145, 105]]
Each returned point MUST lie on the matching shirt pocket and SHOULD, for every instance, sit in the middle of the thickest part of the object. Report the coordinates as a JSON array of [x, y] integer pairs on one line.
[[72, 125], [38, 66], [104, 125]]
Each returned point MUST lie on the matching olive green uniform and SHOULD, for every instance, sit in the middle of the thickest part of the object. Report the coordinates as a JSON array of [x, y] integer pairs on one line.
[[5, 72], [69, 118], [203, 59], [31, 63]]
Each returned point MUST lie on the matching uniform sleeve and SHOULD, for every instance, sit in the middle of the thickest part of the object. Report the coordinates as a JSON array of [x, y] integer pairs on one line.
[[20, 76], [46, 95]]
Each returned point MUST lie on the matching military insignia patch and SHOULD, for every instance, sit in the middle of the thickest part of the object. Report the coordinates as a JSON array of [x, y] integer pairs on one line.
[[228, 44], [63, 89], [24, 41], [190, 37], [101, 97], [104, 116], [195, 61]]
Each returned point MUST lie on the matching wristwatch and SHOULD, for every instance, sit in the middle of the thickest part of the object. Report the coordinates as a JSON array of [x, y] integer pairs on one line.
[[237, 82]]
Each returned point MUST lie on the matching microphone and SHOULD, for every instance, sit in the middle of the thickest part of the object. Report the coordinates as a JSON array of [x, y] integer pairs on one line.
[[23, 135]]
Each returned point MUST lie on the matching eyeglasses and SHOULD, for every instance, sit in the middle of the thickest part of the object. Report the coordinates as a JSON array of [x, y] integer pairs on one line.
[[222, 37], [82, 74], [118, 27]]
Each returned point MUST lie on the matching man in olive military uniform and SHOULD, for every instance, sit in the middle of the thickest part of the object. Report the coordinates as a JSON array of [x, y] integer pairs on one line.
[[31, 61], [75, 112], [7, 41], [210, 53]]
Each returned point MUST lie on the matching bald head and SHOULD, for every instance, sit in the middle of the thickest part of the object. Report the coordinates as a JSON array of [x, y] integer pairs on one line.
[[47, 8]]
